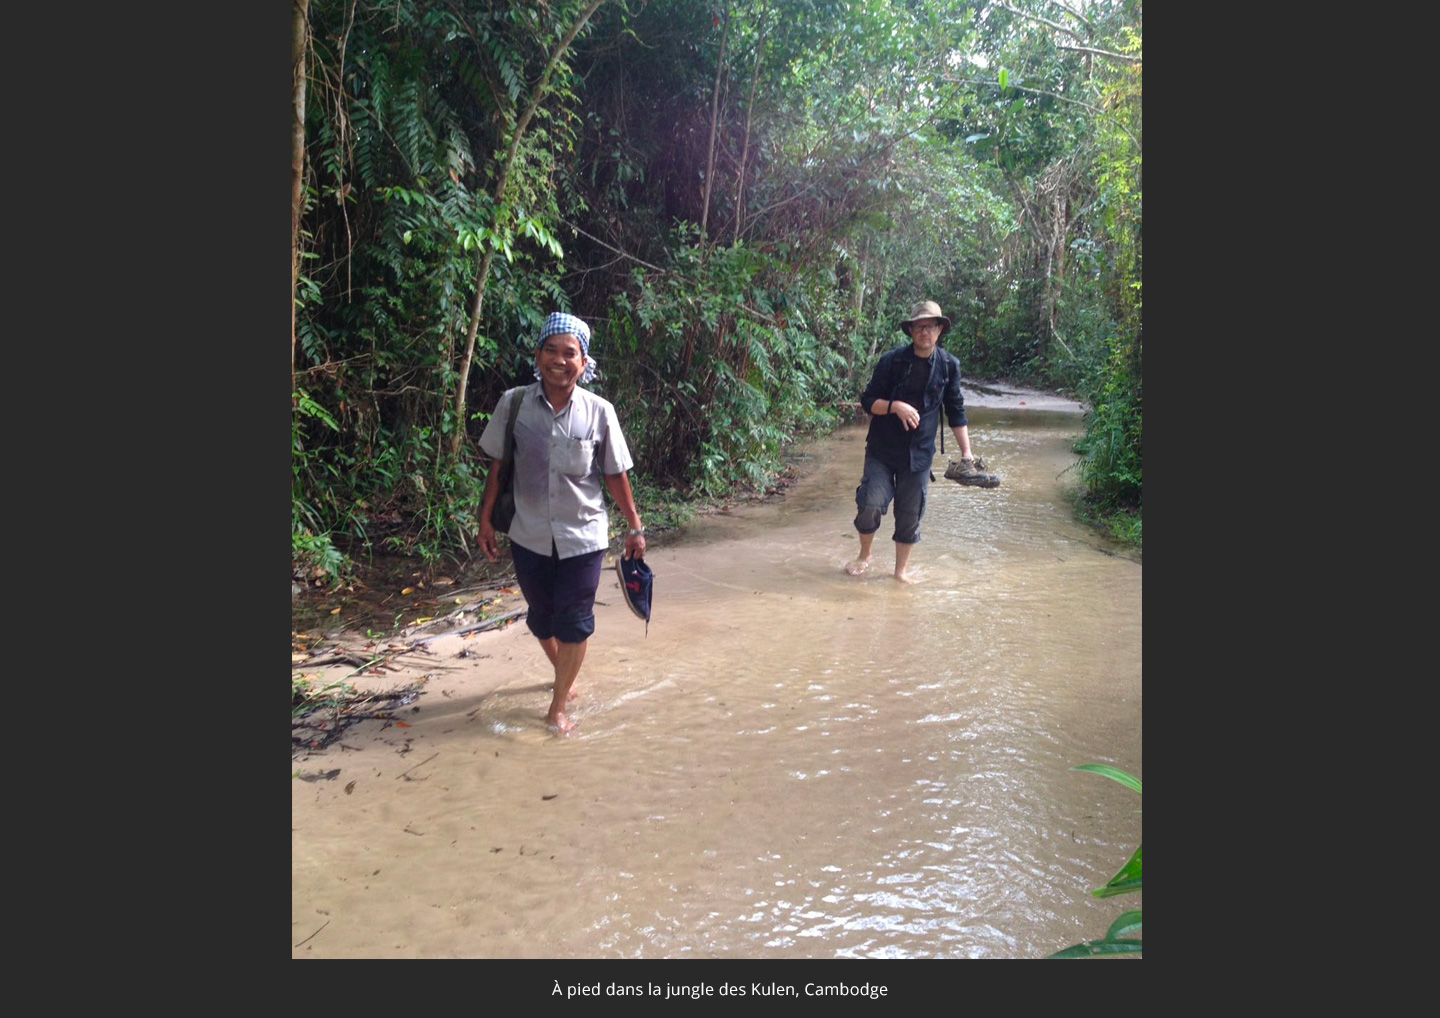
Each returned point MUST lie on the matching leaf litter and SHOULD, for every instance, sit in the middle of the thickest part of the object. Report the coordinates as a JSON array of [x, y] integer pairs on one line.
[[326, 723]]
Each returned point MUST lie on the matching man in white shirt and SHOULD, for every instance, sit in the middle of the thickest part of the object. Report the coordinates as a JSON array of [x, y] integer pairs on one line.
[[566, 440]]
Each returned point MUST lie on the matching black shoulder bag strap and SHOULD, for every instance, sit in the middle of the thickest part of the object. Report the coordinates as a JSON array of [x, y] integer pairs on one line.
[[943, 387], [510, 431], [949, 367]]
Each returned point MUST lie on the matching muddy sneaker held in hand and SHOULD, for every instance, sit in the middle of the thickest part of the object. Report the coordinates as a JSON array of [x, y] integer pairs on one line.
[[971, 471]]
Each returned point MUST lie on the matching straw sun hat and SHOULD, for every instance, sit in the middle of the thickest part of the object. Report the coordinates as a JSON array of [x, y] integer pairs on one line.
[[925, 309]]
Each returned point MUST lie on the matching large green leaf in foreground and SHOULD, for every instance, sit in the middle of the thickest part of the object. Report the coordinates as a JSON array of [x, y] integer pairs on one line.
[[1123, 882]]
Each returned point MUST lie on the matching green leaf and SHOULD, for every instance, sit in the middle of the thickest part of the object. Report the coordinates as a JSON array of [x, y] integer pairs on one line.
[[1004, 78], [1128, 922], [1099, 948], [1113, 773], [1127, 880], [1111, 889]]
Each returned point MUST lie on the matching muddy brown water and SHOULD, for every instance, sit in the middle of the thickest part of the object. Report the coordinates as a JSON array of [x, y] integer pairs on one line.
[[793, 763]]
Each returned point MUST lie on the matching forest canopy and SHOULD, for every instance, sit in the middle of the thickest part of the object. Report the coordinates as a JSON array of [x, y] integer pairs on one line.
[[742, 197]]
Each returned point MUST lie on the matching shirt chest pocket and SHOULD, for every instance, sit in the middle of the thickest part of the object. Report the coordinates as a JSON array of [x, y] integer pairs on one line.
[[574, 456]]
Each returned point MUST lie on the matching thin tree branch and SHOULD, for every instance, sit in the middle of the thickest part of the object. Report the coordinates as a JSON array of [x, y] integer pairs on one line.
[[312, 936], [298, 45], [1031, 219], [784, 201], [482, 276], [1073, 34], [1045, 21], [344, 124], [597, 268], [1073, 13], [1101, 52], [1052, 95], [745, 151], [623, 254], [329, 366], [762, 316], [714, 124], [422, 763], [864, 159]]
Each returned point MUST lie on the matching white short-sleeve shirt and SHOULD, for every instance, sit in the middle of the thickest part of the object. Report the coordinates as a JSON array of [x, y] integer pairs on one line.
[[560, 460]]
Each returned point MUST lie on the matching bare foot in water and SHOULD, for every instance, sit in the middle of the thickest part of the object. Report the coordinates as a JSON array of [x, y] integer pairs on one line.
[[560, 722], [904, 578], [857, 567], [571, 696]]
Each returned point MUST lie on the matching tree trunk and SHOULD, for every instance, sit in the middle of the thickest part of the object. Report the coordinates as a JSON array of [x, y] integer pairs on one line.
[[298, 41], [745, 149], [714, 127], [483, 276], [860, 285], [1062, 230]]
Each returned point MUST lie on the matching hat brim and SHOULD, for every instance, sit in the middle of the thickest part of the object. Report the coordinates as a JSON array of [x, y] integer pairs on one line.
[[944, 323]]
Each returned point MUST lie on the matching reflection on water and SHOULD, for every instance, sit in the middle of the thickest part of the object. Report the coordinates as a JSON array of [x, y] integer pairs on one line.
[[798, 763]]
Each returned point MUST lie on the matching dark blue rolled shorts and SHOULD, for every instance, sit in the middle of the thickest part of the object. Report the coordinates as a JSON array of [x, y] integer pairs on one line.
[[881, 484], [559, 591]]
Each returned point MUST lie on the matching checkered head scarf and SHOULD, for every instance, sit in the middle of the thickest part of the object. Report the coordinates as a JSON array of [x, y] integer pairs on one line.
[[558, 323]]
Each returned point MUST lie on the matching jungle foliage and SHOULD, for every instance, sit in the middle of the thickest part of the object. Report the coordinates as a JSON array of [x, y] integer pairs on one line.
[[741, 196]]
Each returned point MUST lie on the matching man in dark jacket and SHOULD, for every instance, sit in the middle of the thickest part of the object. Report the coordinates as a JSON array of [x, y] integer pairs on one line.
[[908, 389]]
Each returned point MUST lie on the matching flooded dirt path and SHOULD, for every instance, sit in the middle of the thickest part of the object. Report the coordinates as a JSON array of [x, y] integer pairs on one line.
[[793, 762]]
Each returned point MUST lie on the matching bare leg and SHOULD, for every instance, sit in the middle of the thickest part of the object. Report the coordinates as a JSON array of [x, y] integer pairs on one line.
[[863, 562], [552, 649], [568, 657], [902, 559]]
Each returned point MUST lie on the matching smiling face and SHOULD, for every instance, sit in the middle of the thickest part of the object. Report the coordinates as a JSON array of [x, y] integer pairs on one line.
[[925, 332], [561, 361]]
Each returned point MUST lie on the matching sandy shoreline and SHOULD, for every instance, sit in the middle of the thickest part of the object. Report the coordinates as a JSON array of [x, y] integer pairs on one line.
[[1002, 394]]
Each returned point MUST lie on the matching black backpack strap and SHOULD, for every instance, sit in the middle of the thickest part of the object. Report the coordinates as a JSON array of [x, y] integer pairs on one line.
[[897, 373], [515, 401], [951, 364]]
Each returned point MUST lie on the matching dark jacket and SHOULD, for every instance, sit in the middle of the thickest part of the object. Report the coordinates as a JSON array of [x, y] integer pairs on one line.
[[888, 440]]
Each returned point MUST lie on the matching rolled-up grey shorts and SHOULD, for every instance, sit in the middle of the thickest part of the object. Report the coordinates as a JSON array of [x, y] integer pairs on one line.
[[879, 486]]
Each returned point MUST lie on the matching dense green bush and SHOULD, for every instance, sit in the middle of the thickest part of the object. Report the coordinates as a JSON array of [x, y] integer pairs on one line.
[[1112, 468]]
